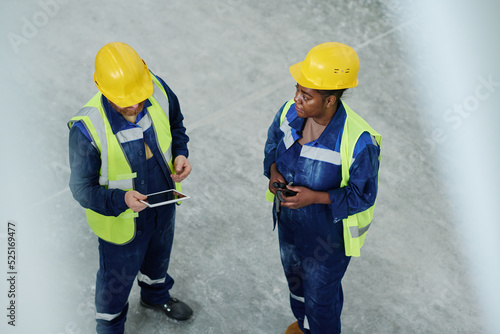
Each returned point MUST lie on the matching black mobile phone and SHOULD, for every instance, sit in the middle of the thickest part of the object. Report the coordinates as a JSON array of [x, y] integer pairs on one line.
[[284, 190]]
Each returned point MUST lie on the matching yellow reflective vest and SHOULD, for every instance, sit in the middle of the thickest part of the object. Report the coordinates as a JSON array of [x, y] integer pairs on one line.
[[356, 226], [115, 172]]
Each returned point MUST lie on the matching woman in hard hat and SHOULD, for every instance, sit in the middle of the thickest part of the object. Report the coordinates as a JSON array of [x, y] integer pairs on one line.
[[322, 162]]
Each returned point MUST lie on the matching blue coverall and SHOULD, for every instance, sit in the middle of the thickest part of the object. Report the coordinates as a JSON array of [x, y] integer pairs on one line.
[[147, 255], [311, 238]]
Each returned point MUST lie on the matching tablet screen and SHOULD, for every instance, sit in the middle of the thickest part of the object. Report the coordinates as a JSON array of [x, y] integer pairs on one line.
[[164, 197]]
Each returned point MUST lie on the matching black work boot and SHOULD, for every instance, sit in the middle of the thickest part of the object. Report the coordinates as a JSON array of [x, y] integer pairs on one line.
[[174, 309]]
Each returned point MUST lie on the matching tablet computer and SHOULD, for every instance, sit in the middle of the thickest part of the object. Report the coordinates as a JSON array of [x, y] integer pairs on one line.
[[164, 197]]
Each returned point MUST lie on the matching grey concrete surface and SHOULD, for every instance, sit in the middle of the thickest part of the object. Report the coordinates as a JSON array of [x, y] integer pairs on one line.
[[227, 61]]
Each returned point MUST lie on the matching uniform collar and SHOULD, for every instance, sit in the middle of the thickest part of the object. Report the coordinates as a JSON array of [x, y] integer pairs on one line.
[[117, 121], [334, 127]]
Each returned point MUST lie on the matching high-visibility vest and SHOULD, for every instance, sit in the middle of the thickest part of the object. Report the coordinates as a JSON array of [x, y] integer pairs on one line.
[[115, 172], [354, 226]]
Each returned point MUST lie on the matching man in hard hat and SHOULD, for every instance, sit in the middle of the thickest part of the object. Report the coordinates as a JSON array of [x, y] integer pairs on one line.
[[322, 162], [129, 141]]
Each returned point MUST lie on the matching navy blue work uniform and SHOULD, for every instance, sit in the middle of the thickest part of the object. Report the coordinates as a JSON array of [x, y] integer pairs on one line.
[[311, 238], [147, 255]]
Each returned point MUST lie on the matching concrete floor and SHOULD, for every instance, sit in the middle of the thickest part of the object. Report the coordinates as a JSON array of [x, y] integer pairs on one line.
[[227, 61]]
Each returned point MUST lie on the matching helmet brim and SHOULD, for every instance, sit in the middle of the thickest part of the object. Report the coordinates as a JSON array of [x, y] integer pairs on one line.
[[301, 79]]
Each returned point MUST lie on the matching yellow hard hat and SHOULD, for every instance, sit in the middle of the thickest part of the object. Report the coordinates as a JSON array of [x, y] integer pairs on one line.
[[328, 66], [121, 75]]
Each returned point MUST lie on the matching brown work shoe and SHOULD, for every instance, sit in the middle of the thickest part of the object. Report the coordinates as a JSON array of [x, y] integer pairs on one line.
[[294, 329]]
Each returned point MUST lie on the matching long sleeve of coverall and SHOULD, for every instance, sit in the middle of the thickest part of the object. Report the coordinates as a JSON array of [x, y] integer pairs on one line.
[[179, 137], [85, 163], [361, 190], [274, 135]]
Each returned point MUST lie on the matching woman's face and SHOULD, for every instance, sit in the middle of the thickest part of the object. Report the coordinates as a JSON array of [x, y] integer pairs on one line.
[[308, 103]]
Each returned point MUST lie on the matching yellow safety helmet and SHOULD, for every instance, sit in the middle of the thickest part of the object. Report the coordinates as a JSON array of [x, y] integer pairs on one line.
[[121, 75], [328, 66]]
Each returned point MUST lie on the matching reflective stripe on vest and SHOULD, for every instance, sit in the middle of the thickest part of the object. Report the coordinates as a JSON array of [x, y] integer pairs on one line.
[[355, 226], [115, 172]]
